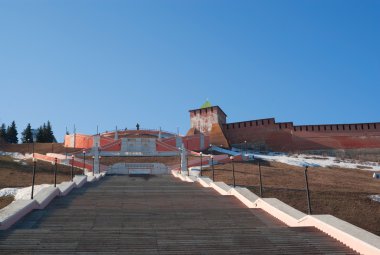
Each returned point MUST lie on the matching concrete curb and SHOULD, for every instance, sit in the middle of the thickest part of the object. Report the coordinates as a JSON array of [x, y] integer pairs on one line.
[[91, 178], [45, 195], [12, 213], [190, 178], [205, 181], [221, 187], [65, 188], [80, 180], [245, 196], [280, 210], [354, 237]]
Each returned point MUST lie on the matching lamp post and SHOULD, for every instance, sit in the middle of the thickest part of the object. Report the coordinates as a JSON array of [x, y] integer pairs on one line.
[[245, 148], [93, 165], [84, 161], [201, 162], [33, 178], [233, 169], [72, 167], [28, 141], [55, 172], [212, 167]]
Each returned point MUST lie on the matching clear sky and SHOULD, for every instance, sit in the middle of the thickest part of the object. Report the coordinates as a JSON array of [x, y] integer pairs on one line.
[[108, 63]]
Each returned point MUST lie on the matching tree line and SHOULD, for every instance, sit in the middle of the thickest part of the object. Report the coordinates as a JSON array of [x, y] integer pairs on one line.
[[43, 134]]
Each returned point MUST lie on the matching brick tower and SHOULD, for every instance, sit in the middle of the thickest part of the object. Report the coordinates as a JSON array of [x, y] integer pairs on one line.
[[209, 120]]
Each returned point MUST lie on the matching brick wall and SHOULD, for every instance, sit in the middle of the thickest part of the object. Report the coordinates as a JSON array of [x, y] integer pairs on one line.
[[266, 134]]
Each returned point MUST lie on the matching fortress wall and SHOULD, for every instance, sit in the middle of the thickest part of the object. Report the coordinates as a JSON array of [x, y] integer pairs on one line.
[[256, 132], [266, 134]]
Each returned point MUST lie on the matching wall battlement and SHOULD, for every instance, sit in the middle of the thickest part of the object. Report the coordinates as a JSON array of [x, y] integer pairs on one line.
[[267, 134]]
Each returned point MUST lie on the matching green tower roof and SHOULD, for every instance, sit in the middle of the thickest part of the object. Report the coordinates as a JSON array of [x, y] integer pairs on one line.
[[206, 104]]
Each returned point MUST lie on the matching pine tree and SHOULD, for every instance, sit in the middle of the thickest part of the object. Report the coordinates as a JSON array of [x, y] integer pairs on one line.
[[49, 133], [12, 133], [40, 134], [27, 136], [45, 134], [3, 133]]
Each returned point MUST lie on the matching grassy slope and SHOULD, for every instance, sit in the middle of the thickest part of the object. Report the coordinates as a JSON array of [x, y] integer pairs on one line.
[[14, 174]]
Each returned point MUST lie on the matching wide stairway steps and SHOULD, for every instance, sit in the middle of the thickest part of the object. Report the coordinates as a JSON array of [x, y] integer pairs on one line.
[[157, 215]]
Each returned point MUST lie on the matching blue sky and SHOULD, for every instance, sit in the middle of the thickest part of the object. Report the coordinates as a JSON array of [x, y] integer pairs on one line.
[[111, 63]]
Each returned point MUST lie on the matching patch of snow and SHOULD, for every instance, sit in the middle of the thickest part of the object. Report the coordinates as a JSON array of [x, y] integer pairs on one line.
[[317, 161], [375, 198], [303, 160], [16, 155], [8, 192], [22, 193], [56, 155]]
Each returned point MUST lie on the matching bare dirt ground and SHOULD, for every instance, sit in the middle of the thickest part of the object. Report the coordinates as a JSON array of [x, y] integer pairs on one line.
[[14, 175], [340, 192], [42, 148]]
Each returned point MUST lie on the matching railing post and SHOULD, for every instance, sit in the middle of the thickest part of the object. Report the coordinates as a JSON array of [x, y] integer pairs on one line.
[[180, 160], [72, 167], [55, 172], [233, 170], [33, 178], [93, 165], [212, 167], [84, 161], [307, 192], [261, 181], [201, 163]]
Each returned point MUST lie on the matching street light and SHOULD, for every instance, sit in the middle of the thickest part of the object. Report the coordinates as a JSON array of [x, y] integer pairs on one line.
[[72, 167], [245, 147], [84, 161], [233, 168], [201, 162], [212, 166]]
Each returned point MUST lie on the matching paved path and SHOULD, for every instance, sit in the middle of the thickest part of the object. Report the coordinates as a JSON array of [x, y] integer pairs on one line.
[[157, 215]]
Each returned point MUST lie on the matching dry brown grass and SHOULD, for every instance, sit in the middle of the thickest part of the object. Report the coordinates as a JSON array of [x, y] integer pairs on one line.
[[340, 192], [15, 175], [42, 148]]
